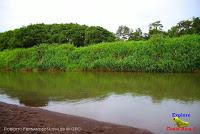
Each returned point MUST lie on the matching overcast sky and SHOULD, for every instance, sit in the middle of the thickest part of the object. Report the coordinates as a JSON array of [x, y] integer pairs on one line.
[[106, 13]]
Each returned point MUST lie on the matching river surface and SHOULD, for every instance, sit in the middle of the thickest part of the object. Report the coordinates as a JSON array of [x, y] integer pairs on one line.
[[142, 100]]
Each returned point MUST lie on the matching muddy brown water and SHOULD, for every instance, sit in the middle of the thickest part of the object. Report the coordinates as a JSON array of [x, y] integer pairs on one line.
[[142, 100]]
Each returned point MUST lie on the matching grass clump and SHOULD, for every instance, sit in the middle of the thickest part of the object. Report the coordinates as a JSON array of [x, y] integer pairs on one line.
[[180, 54]]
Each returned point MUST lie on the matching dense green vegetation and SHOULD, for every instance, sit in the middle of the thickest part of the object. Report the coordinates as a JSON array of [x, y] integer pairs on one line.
[[79, 35], [82, 35], [156, 28], [60, 47], [181, 54]]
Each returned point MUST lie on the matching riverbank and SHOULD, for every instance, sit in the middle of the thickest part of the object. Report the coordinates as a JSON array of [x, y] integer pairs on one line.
[[181, 54], [29, 120]]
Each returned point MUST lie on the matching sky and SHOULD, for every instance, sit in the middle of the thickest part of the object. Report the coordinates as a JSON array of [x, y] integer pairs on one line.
[[109, 14]]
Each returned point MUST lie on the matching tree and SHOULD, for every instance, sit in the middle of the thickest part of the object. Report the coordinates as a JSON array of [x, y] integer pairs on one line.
[[76, 34], [146, 36], [35, 34], [124, 32], [185, 27], [155, 28], [137, 35], [96, 34], [196, 25]]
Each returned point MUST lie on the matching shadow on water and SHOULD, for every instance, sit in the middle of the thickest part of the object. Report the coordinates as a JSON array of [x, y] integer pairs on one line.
[[37, 89]]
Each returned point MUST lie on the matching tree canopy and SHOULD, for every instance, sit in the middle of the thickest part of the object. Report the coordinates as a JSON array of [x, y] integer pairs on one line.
[[137, 35], [79, 35], [185, 27], [82, 35], [124, 32], [155, 28], [191, 26]]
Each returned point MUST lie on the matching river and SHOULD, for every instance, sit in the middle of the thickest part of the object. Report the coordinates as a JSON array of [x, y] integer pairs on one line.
[[142, 100]]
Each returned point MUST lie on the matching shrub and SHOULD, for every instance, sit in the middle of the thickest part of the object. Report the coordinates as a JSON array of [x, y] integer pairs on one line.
[[181, 54]]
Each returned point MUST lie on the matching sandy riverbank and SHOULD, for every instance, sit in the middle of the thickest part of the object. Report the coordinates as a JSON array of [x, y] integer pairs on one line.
[[26, 120]]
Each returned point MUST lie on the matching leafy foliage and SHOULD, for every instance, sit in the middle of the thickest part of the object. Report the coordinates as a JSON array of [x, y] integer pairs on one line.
[[137, 35], [159, 54], [124, 32], [185, 27], [97, 35], [79, 35], [155, 28]]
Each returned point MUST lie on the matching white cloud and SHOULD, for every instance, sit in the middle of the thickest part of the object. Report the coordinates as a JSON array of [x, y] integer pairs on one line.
[[106, 13]]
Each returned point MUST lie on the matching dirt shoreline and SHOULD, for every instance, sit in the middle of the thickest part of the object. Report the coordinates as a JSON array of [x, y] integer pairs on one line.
[[27, 120]]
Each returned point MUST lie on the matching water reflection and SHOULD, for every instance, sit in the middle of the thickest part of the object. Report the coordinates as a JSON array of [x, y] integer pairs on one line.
[[36, 89], [136, 99]]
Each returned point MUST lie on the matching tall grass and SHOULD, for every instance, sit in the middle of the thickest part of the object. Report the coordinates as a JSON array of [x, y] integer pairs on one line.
[[155, 55]]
